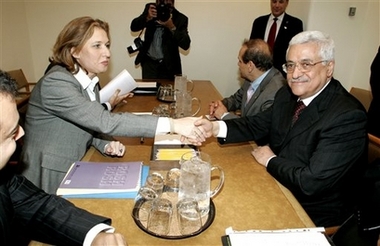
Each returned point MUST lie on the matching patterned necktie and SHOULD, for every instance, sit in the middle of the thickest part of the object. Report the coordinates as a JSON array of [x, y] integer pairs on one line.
[[272, 33], [299, 108]]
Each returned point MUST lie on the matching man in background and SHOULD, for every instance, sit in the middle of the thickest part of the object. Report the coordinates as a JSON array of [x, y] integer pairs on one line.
[[166, 30], [27, 212], [284, 28], [262, 81]]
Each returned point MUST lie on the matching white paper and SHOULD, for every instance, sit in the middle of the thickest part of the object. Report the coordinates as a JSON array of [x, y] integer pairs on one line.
[[146, 84], [288, 237], [123, 81]]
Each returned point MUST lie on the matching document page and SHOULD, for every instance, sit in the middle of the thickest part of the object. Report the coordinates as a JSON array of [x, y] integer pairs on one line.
[[123, 81], [290, 237]]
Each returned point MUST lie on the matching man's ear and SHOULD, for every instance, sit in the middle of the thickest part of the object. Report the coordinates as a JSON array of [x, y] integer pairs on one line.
[[330, 68], [251, 66]]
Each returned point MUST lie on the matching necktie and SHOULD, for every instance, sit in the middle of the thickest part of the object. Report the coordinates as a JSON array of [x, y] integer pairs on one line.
[[250, 92], [272, 33], [299, 107]]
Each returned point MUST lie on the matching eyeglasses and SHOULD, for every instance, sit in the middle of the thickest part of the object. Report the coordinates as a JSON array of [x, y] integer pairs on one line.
[[303, 66]]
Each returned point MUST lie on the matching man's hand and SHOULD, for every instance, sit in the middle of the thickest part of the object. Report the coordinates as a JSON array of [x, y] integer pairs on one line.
[[262, 154], [115, 99], [207, 128], [114, 148], [168, 24], [203, 129], [109, 239], [152, 12], [186, 128], [217, 109], [220, 110]]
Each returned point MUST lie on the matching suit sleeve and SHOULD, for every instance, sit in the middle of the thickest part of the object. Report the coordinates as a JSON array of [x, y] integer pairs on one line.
[[249, 128], [255, 30], [181, 34], [61, 95], [234, 102], [49, 218], [139, 22]]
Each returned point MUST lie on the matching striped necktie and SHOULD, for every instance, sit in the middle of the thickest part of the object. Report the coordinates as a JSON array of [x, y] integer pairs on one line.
[[299, 108]]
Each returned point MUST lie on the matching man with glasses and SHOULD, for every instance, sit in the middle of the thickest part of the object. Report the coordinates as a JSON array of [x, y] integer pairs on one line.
[[318, 155]]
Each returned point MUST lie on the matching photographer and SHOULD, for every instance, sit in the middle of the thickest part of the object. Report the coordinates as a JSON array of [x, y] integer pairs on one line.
[[165, 31]]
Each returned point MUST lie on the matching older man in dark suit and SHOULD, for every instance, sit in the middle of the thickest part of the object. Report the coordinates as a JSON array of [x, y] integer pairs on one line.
[[318, 150], [285, 27], [27, 212]]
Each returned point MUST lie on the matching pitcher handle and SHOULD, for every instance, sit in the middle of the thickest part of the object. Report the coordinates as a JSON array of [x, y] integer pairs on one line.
[[192, 85], [199, 105], [221, 180]]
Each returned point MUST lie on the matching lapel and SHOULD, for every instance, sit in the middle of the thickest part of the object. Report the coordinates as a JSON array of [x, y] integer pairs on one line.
[[311, 114], [257, 92], [246, 104], [283, 28], [96, 89]]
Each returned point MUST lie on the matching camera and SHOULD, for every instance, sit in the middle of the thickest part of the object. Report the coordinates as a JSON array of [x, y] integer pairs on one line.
[[137, 44], [163, 11]]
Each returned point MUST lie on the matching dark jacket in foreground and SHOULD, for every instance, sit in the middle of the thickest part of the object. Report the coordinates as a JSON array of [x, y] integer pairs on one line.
[[321, 158], [26, 213], [374, 108]]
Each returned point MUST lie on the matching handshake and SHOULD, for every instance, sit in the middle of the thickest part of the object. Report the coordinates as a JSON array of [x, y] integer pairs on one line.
[[194, 129]]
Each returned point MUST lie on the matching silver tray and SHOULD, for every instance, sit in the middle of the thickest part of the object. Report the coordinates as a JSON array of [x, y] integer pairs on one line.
[[206, 222]]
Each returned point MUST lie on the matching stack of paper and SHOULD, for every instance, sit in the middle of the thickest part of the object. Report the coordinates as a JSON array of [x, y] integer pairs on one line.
[[288, 237], [123, 81], [146, 88], [169, 147], [171, 154]]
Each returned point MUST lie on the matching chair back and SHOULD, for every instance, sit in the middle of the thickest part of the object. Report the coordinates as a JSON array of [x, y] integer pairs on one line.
[[22, 82], [364, 96]]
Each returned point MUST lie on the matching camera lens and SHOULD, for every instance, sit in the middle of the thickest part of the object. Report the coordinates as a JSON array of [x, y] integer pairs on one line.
[[163, 12]]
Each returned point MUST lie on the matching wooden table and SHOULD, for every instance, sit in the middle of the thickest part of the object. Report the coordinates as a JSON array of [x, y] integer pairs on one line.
[[250, 198]]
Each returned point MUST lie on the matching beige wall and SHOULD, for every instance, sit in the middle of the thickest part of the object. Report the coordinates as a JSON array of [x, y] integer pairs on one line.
[[217, 28]]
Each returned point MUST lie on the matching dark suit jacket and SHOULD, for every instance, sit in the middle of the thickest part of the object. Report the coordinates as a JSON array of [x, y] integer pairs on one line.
[[320, 159], [261, 99], [27, 213], [374, 108], [289, 28], [170, 41]]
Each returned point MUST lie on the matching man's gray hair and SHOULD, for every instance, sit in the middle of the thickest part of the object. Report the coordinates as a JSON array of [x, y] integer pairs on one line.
[[325, 43]]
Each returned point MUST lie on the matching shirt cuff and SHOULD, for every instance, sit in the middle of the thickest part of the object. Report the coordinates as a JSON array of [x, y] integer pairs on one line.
[[163, 125], [107, 106], [91, 234], [224, 115], [222, 129], [270, 158]]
